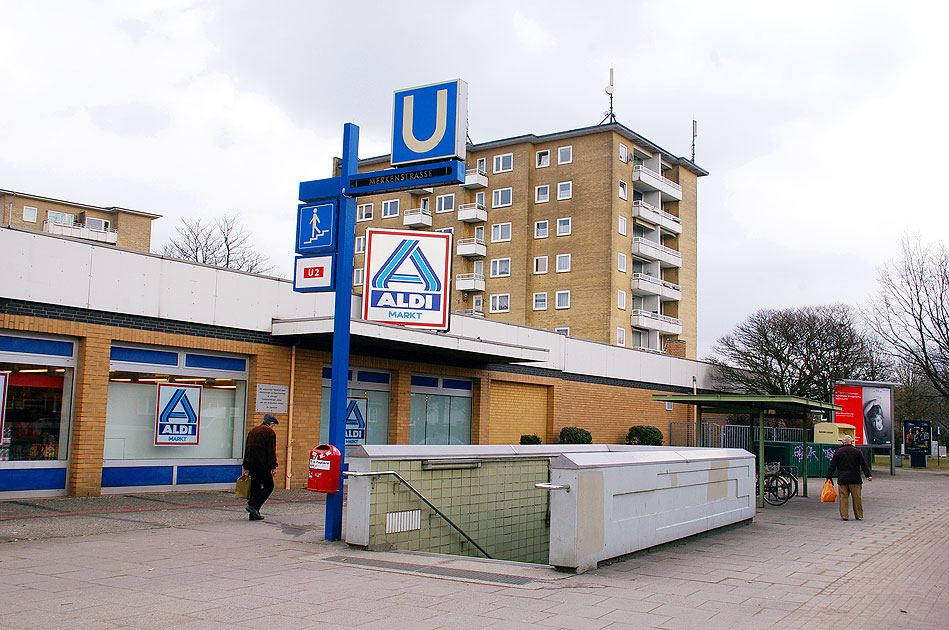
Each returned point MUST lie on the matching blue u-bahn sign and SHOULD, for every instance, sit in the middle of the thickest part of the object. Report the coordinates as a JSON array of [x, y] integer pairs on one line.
[[430, 123]]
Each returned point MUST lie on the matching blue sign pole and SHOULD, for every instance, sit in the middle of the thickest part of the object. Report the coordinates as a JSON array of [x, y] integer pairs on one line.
[[339, 385]]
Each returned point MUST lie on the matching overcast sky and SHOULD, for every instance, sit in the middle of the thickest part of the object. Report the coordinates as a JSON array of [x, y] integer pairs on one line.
[[809, 114]]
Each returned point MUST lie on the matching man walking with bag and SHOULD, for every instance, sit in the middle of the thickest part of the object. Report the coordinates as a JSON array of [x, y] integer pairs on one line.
[[848, 461], [260, 460]]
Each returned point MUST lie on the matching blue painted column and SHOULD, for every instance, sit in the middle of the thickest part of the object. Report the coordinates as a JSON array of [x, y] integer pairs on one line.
[[339, 386]]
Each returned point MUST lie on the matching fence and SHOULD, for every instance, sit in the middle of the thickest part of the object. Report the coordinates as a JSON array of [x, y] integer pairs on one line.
[[729, 435]]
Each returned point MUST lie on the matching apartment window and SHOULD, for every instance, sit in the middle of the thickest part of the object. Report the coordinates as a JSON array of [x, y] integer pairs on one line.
[[565, 155], [445, 203], [621, 300], [360, 246], [477, 303], [563, 263], [358, 275], [504, 163], [478, 268], [479, 233], [564, 190], [621, 336], [479, 198], [500, 267], [563, 226], [500, 232], [483, 165], [621, 261], [61, 218], [500, 197], [636, 339], [540, 229], [93, 223], [364, 212], [623, 153], [540, 264], [540, 301], [501, 303], [563, 299], [542, 194], [448, 230], [623, 190], [563, 331], [622, 225], [29, 214], [543, 159], [424, 203], [390, 208]]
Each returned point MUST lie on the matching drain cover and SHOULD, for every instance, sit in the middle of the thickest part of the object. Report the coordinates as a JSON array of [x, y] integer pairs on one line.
[[461, 574]]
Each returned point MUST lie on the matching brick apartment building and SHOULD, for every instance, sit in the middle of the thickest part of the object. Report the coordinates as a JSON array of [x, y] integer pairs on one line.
[[589, 232], [122, 227]]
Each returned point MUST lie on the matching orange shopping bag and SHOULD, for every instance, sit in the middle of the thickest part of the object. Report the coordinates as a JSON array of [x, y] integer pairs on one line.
[[828, 494]]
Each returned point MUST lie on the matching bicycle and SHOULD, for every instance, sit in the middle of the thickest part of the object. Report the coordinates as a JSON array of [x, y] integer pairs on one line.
[[778, 490]]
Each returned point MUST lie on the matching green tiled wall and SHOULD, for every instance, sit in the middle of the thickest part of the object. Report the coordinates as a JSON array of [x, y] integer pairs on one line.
[[496, 504]]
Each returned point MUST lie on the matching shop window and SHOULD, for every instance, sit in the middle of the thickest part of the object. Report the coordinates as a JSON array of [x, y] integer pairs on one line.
[[132, 408], [36, 417], [440, 410], [370, 390]]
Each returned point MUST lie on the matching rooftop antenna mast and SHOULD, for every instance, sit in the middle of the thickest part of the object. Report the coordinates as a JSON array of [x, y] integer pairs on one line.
[[609, 115], [695, 132]]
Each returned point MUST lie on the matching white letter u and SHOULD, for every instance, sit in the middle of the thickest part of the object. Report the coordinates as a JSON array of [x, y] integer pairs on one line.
[[441, 123]]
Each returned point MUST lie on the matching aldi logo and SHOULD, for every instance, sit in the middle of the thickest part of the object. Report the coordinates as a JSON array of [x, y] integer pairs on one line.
[[408, 278], [178, 414]]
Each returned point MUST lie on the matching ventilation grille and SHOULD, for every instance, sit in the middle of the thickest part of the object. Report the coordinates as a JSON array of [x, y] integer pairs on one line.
[[403, 521]]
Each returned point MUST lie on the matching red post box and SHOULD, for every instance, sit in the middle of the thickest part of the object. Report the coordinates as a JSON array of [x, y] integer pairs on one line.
[[324, 469]]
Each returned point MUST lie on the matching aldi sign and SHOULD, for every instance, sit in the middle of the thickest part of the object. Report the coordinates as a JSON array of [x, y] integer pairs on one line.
[[178, 414], [430, 122], [407, 278]]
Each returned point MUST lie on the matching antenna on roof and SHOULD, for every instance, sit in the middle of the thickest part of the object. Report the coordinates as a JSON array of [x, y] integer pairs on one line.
[[695, 132], [609, 115]]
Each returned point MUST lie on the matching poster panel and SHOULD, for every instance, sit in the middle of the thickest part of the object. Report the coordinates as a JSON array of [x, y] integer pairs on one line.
[[877, 416], [916, 436], [850, 397]]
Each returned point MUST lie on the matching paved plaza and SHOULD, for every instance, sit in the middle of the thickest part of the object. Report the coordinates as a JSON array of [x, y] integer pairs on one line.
[[192, 560]]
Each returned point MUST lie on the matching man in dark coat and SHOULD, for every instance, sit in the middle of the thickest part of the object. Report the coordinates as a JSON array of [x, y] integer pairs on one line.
[[848, 461], [260, 460]]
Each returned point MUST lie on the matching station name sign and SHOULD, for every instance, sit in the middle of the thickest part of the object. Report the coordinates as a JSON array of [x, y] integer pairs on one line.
[[420, 176]]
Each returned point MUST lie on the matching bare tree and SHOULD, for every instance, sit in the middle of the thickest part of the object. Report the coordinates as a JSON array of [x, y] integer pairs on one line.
[[223, 243], [796, 352], [911, 311]]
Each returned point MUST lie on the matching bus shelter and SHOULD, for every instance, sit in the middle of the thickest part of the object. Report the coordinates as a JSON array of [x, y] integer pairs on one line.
[[773, 406]]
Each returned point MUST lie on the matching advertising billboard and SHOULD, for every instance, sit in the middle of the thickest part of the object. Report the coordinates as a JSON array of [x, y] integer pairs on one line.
[[916, 436], [869, 409]]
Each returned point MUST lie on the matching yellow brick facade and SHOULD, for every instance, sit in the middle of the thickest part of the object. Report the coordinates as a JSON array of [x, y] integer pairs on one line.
[[594, 245]]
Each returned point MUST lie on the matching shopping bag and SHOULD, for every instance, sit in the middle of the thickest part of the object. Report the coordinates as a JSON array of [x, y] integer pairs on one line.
[[242, 487], [828, 494]]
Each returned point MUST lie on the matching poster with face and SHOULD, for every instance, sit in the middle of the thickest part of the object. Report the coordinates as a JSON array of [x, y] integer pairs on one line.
[[877, 416], [916, 436]]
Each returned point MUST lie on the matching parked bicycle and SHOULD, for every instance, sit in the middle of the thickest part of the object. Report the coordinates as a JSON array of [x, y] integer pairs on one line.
[[780, 484]]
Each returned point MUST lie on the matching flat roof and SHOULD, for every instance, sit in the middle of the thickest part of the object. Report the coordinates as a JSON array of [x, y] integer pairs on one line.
[[784, 406], [573, 133], [150, 215]]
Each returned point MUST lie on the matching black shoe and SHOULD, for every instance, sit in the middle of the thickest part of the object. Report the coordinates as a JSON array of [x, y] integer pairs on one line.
[[857, 518], [253, 517], [845, 519], [254, 513]]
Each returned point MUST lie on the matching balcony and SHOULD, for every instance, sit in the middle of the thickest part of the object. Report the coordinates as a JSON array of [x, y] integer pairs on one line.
[[417, 217], [644, 284], [475, 178], [471, 312], [77, 230], [651, 250], [647, 212], [469, 282], [670, 222], [649, 180], [421, 191], [472, 213], [656, 321], [472, 248]]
